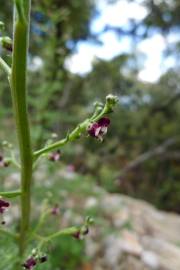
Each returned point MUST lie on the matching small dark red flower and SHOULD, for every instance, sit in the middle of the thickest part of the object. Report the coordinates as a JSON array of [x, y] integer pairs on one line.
[[55, 156], [77, 235], [43, 259], [3, 205], [55, 210], [30, 263], [99, 128], [3, 163], [84, 230]]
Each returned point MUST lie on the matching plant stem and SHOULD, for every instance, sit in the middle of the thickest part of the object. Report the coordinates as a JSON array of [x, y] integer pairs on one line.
[[5, 66], [18, 89], [10, 194], [67, 231]]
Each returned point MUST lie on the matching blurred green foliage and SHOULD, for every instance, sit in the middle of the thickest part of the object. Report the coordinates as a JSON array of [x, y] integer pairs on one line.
[[147, 115]]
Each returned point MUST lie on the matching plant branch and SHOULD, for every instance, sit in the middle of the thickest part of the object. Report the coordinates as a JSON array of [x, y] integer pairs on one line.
[[5, 67], [66, 231], [81, 128], [10, 194]]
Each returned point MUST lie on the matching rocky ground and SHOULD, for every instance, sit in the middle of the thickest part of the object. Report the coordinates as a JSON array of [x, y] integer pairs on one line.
[[139, 236], [128, 234]]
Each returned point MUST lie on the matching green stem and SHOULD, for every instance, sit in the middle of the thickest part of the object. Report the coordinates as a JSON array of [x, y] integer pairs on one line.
[[18, 87], [68, 231], [10, 194], [70, 137], [5, 66]]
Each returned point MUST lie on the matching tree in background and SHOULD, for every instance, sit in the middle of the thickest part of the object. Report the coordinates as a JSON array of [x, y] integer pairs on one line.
[[148, 113]]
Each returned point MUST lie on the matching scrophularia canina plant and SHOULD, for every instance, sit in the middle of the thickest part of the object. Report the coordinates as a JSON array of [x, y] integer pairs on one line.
[[95, 126]]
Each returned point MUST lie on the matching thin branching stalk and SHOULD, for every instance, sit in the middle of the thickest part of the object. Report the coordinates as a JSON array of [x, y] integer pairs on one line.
[[5, 66], [10, 194]]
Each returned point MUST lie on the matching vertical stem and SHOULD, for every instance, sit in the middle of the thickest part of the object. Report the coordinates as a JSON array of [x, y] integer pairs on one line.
[[18, 90]]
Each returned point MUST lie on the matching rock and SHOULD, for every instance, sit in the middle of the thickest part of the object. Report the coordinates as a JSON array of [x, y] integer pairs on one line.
[[138, 236], [91, 202], [150, 259]]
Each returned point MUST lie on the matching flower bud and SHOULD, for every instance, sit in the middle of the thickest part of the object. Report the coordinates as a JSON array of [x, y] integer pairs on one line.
[[4, 162], [6, 144], [6, 43], [84, 230], [89, 220], [34, 252], [55, 156], [111, 99]]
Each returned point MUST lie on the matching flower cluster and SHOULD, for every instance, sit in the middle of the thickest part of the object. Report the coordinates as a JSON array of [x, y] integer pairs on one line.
[[81, 233], [55, 156], [99, 128], [3, 163], [3, 205], [84, 229], [6, 43], [32, 261]]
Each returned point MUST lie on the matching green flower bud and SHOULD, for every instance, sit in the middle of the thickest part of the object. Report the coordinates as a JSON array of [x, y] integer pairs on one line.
[[112, 100], [89, 220], [6, 43]]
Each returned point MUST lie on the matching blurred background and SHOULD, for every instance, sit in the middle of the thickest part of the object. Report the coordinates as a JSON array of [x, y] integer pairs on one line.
[[80, 51]]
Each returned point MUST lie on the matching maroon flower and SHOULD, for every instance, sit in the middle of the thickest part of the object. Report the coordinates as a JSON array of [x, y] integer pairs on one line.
[[55, 156], [55, 210], [30, 263], [3, 163], [3, 206], [77, 235], [99, 129], [84, 230]]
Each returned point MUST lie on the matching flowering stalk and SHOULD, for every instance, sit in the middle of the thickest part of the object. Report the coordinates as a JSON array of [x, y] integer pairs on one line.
[[18, 90], [100, 111], [77, 232], [95, 126]]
